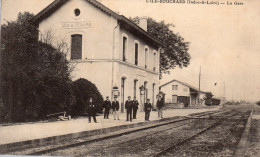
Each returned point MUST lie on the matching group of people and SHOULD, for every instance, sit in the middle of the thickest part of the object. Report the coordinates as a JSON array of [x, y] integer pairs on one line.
[[131, 107], [114, 106]]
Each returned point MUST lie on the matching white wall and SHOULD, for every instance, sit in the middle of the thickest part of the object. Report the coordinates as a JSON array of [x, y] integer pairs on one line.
[[131, 72], [102, 46], [97, 38], [167, 89], [130, 55], [98, 73]]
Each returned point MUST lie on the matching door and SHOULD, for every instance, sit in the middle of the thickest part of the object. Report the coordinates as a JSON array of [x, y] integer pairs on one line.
[[145, 91], [174, 99], [122, 94]]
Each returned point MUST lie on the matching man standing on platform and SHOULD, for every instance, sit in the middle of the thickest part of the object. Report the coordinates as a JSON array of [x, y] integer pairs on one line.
[[135, 107], [115, 108], [147, 109], [106, 106], [129, 109], [92, 111], [160, 105]]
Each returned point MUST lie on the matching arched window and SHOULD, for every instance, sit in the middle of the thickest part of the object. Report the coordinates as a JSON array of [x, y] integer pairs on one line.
[[154, 61], [76, 46], [124, 48], [136, 53], [146, 50]]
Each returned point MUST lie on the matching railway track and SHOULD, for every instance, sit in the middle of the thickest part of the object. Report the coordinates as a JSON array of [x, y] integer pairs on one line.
[[165, 126], [169, 151]]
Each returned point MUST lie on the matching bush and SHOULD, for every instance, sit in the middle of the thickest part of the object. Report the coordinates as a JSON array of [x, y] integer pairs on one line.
[[3, 112], [216, 101], [83, 90], [208, 99], [258, 103]]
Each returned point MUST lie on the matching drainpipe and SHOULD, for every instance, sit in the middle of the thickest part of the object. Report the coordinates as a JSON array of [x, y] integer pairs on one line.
[[113, 60]]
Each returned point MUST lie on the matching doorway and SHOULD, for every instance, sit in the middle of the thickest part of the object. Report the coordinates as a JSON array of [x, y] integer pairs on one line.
[[122, 94]]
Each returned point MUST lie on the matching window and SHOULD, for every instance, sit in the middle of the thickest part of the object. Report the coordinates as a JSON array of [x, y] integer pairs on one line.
[[76, 46], [77, 12], [174, 87], [185, 89], [154, 61], [124, 48], [136, 53], [145, 57]]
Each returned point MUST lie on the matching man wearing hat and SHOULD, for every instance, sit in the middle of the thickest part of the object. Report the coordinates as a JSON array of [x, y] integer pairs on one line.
[[106, 107], [147, 109], [92, 111], [115, 108], [135, 107], [160, 105], [129, 109]]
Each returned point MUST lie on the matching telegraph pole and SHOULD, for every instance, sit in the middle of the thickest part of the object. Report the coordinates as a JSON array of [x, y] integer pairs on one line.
[[199, 86], [232, 95], [224, 91]]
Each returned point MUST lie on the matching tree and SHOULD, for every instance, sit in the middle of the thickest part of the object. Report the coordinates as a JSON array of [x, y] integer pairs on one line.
[[84, 90], [35, 76], [208, 98], [215, 101], [175, 48]]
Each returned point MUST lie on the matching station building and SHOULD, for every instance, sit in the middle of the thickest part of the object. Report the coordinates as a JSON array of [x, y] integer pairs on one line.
[[181, 92], [107, 48]]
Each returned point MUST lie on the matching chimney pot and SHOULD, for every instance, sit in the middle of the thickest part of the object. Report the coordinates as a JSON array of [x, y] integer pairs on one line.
[[143, 23]]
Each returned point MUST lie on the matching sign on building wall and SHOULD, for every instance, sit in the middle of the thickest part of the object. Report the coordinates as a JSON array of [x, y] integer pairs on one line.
[[76, 25]]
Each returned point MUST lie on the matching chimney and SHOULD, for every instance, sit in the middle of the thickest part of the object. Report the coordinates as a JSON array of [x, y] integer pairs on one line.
[[100, 1], [143, 23]]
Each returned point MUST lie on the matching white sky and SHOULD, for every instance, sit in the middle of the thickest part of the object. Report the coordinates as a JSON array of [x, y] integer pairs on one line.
[[225, 40]]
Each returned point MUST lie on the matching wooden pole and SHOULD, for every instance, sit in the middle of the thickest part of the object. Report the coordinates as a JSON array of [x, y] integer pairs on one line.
[[199, 86]]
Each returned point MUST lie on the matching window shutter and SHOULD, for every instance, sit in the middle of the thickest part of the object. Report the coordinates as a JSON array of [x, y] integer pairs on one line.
[[76, 46]]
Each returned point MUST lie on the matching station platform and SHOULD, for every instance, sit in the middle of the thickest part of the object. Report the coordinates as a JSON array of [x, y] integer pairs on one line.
[[31, 132]]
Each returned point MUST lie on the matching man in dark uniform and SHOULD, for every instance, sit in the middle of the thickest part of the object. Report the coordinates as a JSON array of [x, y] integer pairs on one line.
[[129, 109], [106, 107], [160, 105], [115, 108], [92, 111], [135, 107], [147, 109]]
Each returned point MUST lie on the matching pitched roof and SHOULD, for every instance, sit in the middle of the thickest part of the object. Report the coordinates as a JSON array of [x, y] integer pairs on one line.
[[185, 84], [125, 22]]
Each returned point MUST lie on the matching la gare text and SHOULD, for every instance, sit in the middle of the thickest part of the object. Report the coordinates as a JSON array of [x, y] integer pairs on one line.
[[196, 2]]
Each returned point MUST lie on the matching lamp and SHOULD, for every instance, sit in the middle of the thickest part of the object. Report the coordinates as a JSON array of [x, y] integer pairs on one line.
[[115, 91], [142, 88]]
